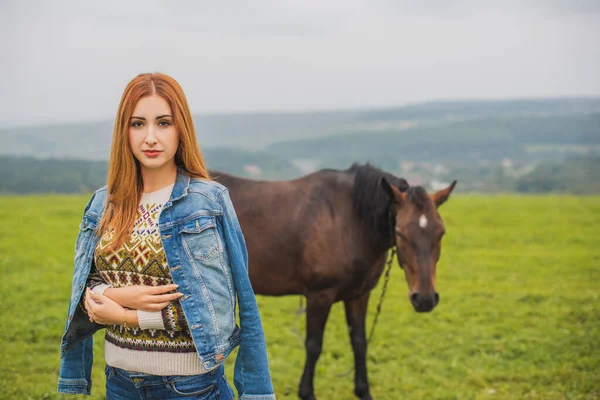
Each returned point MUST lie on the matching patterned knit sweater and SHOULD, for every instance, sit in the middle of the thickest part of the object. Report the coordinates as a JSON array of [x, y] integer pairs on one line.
[[162, 345]]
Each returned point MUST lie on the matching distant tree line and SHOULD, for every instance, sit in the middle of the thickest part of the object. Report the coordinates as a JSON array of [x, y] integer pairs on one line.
[[575, 174], [23, 175]]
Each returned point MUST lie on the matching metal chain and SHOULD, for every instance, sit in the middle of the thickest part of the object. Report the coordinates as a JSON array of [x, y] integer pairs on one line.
[[383, 291]]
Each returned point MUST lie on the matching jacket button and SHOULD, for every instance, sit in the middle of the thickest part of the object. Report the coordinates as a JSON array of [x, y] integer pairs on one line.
[[80, 287], [70, 317]]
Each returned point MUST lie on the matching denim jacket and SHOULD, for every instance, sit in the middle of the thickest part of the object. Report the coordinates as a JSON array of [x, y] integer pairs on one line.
[[207, 258]]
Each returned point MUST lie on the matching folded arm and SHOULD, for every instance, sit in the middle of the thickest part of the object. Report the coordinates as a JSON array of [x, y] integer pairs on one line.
[[150, 307]]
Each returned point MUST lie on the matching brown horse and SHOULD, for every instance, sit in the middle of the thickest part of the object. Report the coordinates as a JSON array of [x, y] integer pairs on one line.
[[326, 236]]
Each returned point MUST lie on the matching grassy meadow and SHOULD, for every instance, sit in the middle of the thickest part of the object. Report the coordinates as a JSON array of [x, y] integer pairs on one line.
[[519, 316]]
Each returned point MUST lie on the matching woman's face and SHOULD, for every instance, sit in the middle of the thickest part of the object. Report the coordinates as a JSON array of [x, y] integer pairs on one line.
[[152, 134]]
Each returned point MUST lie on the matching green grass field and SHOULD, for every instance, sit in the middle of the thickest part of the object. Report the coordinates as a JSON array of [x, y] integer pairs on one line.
[[519, 317]]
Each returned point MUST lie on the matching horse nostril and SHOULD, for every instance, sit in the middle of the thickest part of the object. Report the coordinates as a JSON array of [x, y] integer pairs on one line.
[[414, 299], [437, 299]]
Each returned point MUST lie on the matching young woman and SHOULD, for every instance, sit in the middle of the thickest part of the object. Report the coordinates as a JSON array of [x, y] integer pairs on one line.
[[160, 260]]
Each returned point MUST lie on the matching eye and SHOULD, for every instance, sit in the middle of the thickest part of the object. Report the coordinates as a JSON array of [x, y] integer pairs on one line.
[[136, 123], [164, 123]]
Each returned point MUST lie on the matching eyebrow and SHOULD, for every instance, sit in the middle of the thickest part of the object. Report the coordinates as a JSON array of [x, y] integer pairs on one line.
[[159, 117]]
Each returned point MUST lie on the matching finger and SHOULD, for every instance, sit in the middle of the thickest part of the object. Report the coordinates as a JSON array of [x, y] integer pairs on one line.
[[90, 304], [91, 314], [160, 306], [155, 306], [86, 301], [96, 297], [163, 288], [161, 298], [85, 298]]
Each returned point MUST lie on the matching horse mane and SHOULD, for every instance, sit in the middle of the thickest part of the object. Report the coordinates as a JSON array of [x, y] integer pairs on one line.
[[371, 202]]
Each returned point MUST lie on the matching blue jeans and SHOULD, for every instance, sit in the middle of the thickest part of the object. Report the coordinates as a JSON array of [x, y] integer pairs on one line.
[[125, 385]]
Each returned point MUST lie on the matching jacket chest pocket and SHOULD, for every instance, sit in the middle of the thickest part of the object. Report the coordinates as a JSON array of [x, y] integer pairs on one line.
[[200, 238]]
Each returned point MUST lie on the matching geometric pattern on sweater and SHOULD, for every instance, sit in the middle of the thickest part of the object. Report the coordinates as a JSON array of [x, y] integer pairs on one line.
[[141, 260]]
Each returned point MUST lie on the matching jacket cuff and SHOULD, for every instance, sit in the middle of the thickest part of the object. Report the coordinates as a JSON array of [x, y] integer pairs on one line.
[[257, 397], [74, 386], [150, 319]]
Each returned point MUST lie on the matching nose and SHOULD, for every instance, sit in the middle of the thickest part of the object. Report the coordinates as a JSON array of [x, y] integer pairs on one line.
[[423, 303], [150, 137]]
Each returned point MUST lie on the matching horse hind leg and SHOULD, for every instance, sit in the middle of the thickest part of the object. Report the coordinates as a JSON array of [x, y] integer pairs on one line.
[[356, 311], [318, 306]]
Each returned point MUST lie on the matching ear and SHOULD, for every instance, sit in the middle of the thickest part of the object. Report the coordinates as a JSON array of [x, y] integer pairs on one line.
[[395, 194], [441, 196]]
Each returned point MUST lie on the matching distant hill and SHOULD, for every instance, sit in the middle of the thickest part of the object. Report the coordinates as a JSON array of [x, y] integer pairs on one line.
[[490, 146], [260, 130], [459, 110], [469, 141]]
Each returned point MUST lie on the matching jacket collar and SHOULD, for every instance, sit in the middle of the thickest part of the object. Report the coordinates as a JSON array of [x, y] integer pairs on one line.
[[181, 187]]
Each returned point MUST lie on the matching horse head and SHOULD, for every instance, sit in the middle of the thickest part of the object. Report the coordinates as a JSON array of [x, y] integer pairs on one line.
[[418, 235]]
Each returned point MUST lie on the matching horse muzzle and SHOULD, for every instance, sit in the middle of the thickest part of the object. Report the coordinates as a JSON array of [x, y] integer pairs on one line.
[[423, 303]]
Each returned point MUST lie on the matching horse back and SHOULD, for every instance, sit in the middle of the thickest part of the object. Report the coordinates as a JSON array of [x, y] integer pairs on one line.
[[301, 234]]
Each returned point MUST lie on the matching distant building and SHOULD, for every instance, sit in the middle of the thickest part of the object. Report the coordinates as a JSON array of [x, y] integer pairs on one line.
[[252, 169], [440, 169], [305, 166], [414, 180], [436, 185], [507, 163]]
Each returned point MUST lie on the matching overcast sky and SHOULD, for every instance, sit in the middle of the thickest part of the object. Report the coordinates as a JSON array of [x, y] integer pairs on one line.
[[70, 60]]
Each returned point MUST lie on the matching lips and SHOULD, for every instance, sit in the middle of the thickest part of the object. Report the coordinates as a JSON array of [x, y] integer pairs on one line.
[[152, 153]]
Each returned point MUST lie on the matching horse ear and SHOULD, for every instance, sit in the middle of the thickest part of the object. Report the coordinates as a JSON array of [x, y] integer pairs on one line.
[[403, 185], [391, 191], [441, 196]]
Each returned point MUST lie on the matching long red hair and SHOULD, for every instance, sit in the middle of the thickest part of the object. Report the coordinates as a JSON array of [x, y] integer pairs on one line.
[[124, 177]]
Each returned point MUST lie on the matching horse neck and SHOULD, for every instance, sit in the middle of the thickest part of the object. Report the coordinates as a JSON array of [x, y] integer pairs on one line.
[[378, 233]]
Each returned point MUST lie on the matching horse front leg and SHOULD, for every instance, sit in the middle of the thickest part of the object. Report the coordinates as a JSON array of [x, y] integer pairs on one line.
[[318, 306], [356, 311]]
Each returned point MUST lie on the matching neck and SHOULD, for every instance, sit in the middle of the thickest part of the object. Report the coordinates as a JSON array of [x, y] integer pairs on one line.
[[155, 179]]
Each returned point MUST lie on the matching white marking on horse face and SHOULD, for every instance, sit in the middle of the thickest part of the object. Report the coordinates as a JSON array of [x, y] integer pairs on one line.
[[423, 221]]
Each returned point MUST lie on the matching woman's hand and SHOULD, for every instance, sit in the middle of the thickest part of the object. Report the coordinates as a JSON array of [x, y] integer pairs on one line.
[[142, 297], [103, 310]]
